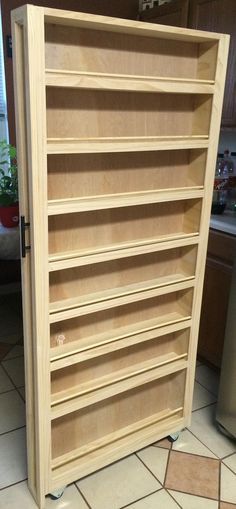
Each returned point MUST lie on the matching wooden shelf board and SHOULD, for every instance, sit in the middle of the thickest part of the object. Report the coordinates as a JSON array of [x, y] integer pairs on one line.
[[88, 203], [108, 81], [163, 424], [77, 307], [114, 437], [127, 144], [92, 395], [105, 295], [83, 350], [143, 29], [113, 378], [80, 258]]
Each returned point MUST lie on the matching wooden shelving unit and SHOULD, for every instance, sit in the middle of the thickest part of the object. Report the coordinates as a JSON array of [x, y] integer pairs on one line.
[[115, 180]]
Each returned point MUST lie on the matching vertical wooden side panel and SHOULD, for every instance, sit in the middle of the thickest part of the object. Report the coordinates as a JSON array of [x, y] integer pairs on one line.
[[20, 114], [205, 216], [37, 164]]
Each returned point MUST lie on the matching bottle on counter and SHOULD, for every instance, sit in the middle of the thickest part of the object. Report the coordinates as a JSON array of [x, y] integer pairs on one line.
[[221, 183]]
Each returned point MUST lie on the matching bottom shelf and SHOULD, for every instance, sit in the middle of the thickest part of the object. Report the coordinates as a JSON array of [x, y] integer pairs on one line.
[[117, 421], [118, 445]]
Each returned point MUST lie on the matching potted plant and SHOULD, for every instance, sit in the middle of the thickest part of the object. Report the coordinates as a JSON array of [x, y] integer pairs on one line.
[[9, 207]]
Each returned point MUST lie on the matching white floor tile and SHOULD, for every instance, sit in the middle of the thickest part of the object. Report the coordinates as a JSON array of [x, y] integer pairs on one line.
[[119, 484], [188, 443], [156, 460], [12, 458], [19, 497], [159, 500], [202, 397], [204, 427], [208, 378], [231, 462], [15, 369], [5, 382], [192, 502], [16, 351], [12, 411], [228, 485]]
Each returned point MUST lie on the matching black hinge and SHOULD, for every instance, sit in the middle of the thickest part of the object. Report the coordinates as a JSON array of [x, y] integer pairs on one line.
[[23, 226]]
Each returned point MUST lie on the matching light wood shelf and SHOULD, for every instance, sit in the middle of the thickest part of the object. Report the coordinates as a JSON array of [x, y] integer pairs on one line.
[[72, 308], [117, 130], [73, 205], [113, 437], [128, 144], [67, 355], [93, 80], [113, 252], [108, 386]]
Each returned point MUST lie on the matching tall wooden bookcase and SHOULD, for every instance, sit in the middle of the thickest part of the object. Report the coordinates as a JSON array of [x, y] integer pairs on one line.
[[117, 132]]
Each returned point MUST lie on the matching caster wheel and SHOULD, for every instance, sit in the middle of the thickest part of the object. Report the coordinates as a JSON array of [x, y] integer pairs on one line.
[[172, 438], [55, 495]]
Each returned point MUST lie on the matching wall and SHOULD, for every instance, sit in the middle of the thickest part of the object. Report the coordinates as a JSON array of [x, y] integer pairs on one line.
[[118, 8]]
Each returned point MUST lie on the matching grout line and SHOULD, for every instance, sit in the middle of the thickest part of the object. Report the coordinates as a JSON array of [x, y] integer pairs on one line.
[[9, 376], [229, 468], [228, 456], [144, 464], [11, 358], [205, 406], [6, 392], [217, 457], [219, 485], [200, 383], [191, 494], [194, 454], [139, 499], [82, 495], [11, 430], [14, 484]]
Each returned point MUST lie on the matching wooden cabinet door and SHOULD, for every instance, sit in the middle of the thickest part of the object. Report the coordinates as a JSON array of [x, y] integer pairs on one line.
[[220, 16], [214, 310], [174, 14]]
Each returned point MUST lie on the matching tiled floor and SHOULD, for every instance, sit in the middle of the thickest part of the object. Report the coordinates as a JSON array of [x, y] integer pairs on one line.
[[198, 471]]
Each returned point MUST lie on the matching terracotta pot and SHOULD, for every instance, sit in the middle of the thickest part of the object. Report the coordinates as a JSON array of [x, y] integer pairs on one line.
[[9, 216]]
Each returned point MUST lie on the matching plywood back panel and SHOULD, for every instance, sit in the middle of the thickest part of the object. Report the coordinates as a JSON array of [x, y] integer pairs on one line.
[[75, 175], [82, 281], [100, 51], [90, 230], [88, 114]]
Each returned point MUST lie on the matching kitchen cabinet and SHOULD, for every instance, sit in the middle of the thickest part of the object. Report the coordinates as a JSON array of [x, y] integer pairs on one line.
[[212, 15], [219, 264], [174, 14], [220, 16]]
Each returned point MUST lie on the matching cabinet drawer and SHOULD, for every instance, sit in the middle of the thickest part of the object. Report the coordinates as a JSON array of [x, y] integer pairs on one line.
[[221, 245]]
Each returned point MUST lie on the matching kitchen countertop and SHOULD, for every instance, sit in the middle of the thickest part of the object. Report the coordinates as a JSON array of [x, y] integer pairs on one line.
[[225, 222]]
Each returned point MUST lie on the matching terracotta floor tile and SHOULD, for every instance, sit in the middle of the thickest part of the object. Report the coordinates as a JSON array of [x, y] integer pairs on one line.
[[224, 505], [163, 443], [193, 474]]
